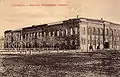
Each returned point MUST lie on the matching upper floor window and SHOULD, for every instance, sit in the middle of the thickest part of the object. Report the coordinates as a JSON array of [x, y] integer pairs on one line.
[[118, 33], [66, 31], [89, 30], [44, 34], [49, 33], [101, 31], [62, 32], [71, 31], [28, 35], [98, 31], [37, 34], [114, 32], [33, 35], [106, 32], [25, 36], [94, 31], [76, 30], [53, 34], [83, 30], [58, 33], [40, 34]]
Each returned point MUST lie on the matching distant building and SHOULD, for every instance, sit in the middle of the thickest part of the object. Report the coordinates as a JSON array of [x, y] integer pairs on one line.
[[82, 34]]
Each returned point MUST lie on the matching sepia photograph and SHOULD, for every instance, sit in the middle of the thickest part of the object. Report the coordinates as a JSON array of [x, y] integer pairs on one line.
[[59, 38]]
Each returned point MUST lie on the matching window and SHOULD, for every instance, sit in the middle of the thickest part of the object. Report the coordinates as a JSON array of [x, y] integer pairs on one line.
[[98, 31], [76, 30], [83, 41], [62, 33], [37, 34], [94, 31], [114, 32], [58, 33], [71, 42], [71, 31], [53, 34], [76, 42], [40, 34], [66, 31], [106, 32], [44, 34], [83, 30], [33, 35], [117, 32], [24, 36], [28, 35], [49, 33], [101, 31], [88, 41], [111, 32], [89, 31], [65, 42]]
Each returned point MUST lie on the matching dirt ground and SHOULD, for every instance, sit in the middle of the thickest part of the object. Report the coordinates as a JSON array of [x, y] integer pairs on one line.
[[57, 65]]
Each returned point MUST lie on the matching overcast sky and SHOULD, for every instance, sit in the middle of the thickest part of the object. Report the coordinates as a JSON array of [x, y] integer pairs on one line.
[[15, 17]]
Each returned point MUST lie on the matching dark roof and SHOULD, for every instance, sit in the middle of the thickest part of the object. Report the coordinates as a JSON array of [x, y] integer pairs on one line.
[[7, 31], [35, 26], [61, 22]]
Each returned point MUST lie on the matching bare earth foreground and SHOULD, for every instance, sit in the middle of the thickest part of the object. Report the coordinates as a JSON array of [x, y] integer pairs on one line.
[[58, 65]]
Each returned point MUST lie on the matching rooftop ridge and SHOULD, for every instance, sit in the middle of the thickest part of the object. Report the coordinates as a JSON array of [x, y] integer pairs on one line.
[[59, 22]]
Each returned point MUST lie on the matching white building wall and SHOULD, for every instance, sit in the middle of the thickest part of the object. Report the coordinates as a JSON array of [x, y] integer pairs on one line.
[[90, 38], [83, 36]]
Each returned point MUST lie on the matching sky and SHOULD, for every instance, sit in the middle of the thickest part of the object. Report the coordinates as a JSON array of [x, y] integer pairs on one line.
[[14, 17]]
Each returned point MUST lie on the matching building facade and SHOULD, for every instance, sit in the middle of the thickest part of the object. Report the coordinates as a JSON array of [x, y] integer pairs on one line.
[[82, 34]]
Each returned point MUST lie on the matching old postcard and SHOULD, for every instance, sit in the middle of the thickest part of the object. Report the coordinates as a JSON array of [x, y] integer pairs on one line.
[[59, 38]]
